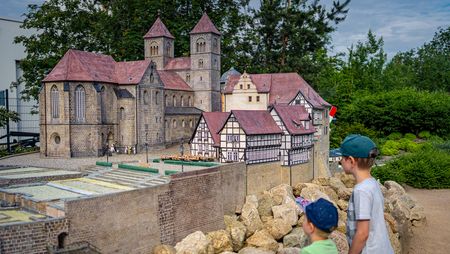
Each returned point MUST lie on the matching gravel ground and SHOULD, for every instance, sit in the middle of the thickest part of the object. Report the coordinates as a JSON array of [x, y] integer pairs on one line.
[[434, 236], [35, 160]]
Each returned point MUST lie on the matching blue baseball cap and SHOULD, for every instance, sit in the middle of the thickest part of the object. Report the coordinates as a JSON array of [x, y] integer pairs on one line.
[[323, 214], [357, 146]]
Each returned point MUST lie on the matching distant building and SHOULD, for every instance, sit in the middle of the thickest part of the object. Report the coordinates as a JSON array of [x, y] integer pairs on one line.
[[10, 73], [89, 101]]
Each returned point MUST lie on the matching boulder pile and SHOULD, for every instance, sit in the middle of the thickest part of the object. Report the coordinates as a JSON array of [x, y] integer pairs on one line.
[[272, 222]]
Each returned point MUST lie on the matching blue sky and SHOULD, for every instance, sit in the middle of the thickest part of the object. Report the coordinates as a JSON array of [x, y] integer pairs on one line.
[[404, 24]]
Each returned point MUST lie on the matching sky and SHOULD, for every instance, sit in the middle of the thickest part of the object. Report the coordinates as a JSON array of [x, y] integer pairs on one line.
[[403, 24]]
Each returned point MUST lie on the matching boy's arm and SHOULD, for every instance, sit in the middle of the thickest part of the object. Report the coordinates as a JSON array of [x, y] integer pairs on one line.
[[360, 238]]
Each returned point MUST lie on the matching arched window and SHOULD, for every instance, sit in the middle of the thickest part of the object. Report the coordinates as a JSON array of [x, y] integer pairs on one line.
[[54, 98], [188, 77], [215, 43], [156, 97], [174, 123], [174, 101], [168, 45], [122, 113], [166, 100], [191, 123], [153, 49], [201, 45], [152, 78], [200, 63], [80, 104], [183, 124], [182, 101], [62, 240], [189, 102], [145, 97]]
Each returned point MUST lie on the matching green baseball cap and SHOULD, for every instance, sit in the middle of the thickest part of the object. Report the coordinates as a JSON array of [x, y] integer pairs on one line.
[[357, 146]]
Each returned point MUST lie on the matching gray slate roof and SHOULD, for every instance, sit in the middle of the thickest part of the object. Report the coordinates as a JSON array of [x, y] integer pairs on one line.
[[183, 111]]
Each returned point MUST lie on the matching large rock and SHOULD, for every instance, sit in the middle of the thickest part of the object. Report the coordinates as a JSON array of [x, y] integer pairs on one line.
[[297, 238], [313, 194], [195, 243], [330, 193], [252, 200], [395, 242], [348, 180], [390, 221], [237, 232], [278, 228], [299, 187], [342, 222], [394, 187], [340, 240], [262, 239], [289, 250], [220, 241], [342, 204], [253, 250], [265, 204], [250, 218], [336, 184], [322, 181], [344, 193], [286, 212], [281, 193], [228, 252], [418, 215], [163, 249]]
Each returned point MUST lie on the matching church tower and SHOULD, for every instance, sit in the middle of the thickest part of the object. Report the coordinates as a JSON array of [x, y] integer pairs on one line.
[[205, 65], [158, 44]]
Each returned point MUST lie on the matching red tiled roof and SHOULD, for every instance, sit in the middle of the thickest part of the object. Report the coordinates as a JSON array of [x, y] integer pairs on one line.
[[79, 65], [158, 29], [179, 63], [282, 88], [292, 115], [215, 121], [255, 122], [131, 72], [172, 81], [205, 25]]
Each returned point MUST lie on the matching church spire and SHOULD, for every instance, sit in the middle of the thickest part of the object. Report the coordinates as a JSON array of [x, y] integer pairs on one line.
[[205, 25], [158, 29]]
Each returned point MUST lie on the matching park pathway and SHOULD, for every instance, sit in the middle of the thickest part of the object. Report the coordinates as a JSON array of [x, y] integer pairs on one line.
[[434, 237]]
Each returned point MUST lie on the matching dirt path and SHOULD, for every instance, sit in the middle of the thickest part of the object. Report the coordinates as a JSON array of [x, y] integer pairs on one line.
[[434, 237]]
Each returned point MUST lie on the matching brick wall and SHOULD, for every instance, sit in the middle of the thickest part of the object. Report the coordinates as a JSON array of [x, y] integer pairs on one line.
[[31, 237], [263, 176], [135, 221]]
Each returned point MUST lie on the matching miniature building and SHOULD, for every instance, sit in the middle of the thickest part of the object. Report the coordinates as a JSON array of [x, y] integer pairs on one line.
[[89, 101], [251, 136], [297, 140], [206, 139]]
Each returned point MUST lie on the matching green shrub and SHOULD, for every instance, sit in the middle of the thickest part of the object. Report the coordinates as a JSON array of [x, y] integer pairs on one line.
[[394, 136], [390, 148], [427, 168], [424, 135], [340, 130], [410, 136]]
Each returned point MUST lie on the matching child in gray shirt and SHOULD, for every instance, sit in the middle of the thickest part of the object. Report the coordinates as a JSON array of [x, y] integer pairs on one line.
[[366, 227]]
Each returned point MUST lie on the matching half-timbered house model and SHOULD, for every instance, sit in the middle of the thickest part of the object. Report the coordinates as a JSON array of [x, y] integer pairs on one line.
[[89, 100], [298, 131], [251, 136], [206, 139], [261, 91]]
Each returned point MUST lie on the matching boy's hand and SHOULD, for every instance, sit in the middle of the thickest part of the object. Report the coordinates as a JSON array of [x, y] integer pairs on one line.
[[360, 238]]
